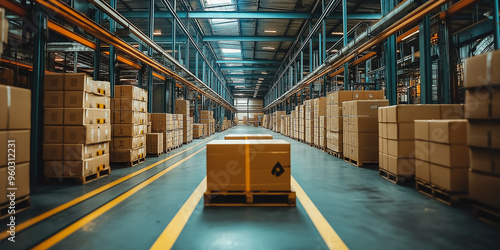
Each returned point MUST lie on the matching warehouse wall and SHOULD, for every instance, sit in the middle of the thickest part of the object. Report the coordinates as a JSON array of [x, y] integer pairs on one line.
[[248, 107]]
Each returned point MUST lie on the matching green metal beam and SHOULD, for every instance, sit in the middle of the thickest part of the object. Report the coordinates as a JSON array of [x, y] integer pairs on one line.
[[248, 61], [248, 76], [273, 68], [260, 39]]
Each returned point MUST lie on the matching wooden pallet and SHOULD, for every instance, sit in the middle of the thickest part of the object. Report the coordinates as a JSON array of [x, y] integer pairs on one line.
[[339, 155], [440, 194], [156, 155], [80, 179], [487, 214], [361, 164], [129, 164], [250, 198], [22, 203], [397, 179]]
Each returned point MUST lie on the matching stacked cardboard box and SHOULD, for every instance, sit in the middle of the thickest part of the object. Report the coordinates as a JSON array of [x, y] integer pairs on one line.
[[482, 108], [360, 120], [164, 123], [129, 124], [207, 117], [441, 154], [293, 124], [15, 126], [261, 157], [265, 121], [334, 119], [226, 124], [154, 144], [396, 140], [198, 130], [77, 126], [301, 123], [309, 121], [182, 107], [278, 115], [245, 120], [4, 30], [322, 132], [178, 130], [319, 110]]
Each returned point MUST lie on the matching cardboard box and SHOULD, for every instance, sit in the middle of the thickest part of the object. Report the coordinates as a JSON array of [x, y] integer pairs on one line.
[[448, 131], [341, 96], [485, 160], [482, 104], [401, 131], [363, 107], [248, 137], [53, 99], [422, 149], [22, 146], [85, 167], [364, 153], [451, 179], [128, 142], [253, 165], [452, 111], [52, 134], [53, 169], [53, 81], [365, 124], [182, 107], [128, 155], [484, 134], [52, 152], [22, 182], [401, 149], [129, 130], [373, 94], [78, 152], [422, 130], [484, 188], [423, 170], [84, 116], [129, 91], [53, 116], [87, 134], [482, 70], [102, 88], [412, 112], [129, 117], [129, 104], [78, 82], [401, 166], [79, 99], [452, 156], [15, 108], [154, 143]]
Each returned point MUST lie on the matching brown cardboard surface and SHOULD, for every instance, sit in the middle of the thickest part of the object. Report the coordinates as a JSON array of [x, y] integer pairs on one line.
[[248, 137], [422, 170], [129, 104], [422, 149], [53, 81], [365, 124], [385, 129], [128, 142], [22, 183], [77, 99], [84, 116], [452, 111], [53, 99], [52, 134], [52, 168], [22, 146], [401, 166], [78, 81], [226, 165], [341, 96], [15, 108], [484, 188], [85, 167], [127, 155], [422, 130], [365, 153], [52, 152], [401, 149], [452, 156], [129, 117], [373, 94], [401, 131], [448, 131], [483, 134], [87, 134], [53, 116], [385, 146], [154, 143], [451, 179], [411, 112], [126, 130], [364, 107], [485, 160], [477, 103], [101, 88], [77, 152], [482, 70]]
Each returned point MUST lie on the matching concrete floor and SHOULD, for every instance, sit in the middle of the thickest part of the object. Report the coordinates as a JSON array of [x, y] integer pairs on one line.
[[366, 211]]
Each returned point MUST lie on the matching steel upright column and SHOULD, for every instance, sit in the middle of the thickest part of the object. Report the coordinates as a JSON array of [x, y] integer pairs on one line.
[[196, 107], [36, 172], [112, 54], [344, 29], [390, 60], [97, 51], [151, 26], [496, 20], [424, 38]]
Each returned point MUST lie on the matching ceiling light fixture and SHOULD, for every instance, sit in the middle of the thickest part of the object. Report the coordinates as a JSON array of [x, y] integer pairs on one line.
[[264, 73], [270, 31], [261, 79], [268, 47], [157, 32], [338, 33]]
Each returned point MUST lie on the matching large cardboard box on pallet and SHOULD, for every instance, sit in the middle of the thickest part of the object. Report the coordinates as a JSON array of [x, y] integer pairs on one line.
[[248, 165], [128, 155], [73, 152], [22, 183], [128, 142], [15, 111], [182, 107], [154, 145]]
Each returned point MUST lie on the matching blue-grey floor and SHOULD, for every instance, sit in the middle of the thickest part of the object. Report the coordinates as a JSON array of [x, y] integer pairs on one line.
[[365, 210]]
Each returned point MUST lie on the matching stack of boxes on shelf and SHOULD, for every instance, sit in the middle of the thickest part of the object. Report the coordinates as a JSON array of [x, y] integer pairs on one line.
[[129, 124], [293, 124], [154, 144], [164, 123], [225, 124], [319, 111], [77, 127], [441, 155], [182, 107], [360, 118], [301, 123], [15, 128], [396, 140], [309, 121], [335, 121], [482, 107], [265, 121], [207, 118], [245, 120], [278, 118], [178, 130], [198, 131]]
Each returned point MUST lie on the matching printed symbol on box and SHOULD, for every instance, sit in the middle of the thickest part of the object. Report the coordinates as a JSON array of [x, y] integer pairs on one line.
[[277, 170]]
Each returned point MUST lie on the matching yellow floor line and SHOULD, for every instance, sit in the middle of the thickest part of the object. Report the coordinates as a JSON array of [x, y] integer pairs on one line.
[[106, 207], [326, 231], [88, 195], [174, 228]]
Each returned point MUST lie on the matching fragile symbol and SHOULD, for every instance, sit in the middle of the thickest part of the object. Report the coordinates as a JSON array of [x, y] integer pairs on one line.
[[277, 170]]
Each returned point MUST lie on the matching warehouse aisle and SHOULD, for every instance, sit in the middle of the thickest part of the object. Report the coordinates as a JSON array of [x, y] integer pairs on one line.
[[366, 211]]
